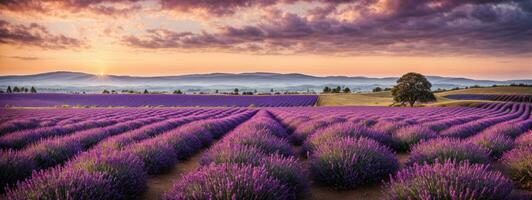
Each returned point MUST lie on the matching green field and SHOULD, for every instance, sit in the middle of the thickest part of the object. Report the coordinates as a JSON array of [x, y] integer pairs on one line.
[[385, 98]]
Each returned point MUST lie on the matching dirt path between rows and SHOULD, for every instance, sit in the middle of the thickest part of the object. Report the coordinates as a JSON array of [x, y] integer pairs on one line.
[[161, 183]]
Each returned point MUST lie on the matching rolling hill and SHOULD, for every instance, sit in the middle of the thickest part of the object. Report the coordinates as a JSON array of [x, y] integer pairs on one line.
[[62, 81]]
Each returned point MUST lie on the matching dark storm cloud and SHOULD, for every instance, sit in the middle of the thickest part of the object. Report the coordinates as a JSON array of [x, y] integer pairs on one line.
[[406, 27], [35, 35]]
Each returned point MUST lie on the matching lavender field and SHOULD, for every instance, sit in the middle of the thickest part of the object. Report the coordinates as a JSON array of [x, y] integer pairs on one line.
[[137, 100], [481, 152], [492, 97]]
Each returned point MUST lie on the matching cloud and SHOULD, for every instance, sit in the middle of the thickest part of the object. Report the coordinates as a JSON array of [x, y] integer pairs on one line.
[[25, 58], [404, 27], [36, 35], [66, 7], [338, 27]]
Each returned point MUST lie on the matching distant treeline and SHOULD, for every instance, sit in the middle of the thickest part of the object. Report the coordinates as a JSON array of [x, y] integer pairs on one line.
[[236, 91], [19, 90]]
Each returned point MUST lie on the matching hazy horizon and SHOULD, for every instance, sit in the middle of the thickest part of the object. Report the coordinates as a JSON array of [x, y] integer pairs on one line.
[[315, 75]]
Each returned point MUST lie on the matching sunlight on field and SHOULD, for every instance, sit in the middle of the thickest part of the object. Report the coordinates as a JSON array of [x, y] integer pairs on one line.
[[490, 90], [362, 99], [385, 98]]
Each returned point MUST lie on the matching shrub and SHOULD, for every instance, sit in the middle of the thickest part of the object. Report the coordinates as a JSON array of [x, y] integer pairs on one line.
[[342, 130], [524, 140], [306, 129], [406, 137], [496, 143], [157, 156], [14, 167], [388, 127], [52, 152], [264, 122], [441, 149], [519, 163], [202, 133], [351, 162], [58, 184], [509, 129], [228, 182], [289, 172], [448, 180], [263, 141], [183, 143], [232, 153], [123, 168]]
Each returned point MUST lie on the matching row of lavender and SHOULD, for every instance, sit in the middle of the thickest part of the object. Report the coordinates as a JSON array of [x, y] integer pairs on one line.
[[135, 100], [450, 150], [148, 139], [254, 161], [492, 97]]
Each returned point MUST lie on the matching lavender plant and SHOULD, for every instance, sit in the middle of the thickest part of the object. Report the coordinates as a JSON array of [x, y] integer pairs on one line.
[[519, 164], [442, 149], [228, 182], [448, 180], [350, 162]]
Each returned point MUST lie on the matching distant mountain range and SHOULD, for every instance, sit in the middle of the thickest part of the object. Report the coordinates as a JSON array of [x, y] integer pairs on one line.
[[64, 81]]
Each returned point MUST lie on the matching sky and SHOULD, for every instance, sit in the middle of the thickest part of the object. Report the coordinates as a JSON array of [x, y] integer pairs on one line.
[[482, 39]]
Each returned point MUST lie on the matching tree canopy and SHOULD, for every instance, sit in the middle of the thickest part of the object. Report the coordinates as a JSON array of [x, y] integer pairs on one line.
[[411, 88]]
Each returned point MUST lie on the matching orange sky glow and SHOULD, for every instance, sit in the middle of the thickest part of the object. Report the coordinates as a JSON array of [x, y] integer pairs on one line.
[[357, 38]]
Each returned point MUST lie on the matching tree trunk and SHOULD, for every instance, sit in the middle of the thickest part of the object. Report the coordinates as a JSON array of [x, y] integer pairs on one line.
[[412, 103]]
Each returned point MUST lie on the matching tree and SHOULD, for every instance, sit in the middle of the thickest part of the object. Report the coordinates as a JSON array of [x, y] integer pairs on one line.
[[338, 89], [377, 89], [16, 89], [105, 92], [255, 91], [8, 90], [33, 90], [216, 91], [347, 90], [326, 89], [236, 90], [412, 87], [271, 90], [178, 92]]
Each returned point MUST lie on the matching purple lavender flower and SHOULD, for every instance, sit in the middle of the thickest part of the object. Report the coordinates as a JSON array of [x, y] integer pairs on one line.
[[262, 140], [157, 156], [133, 100], [64, 184], [13, 167], [497, 143], [350, 162], [228, 182], [289, 172], [125, 170], [342, 130], [525, 139], [406, 137], [519, 163], [442, 149], [52, 152], [232, 153], [448, 180]]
